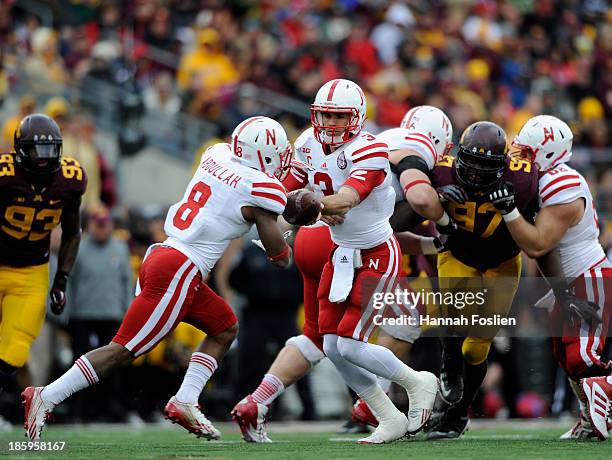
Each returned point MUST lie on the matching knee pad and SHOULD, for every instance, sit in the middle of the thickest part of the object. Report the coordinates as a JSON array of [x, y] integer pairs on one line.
[[349, 348], [475, 350], [406, 333], [307, 348]]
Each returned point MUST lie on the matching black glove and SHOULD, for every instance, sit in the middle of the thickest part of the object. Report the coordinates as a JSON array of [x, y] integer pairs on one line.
[[502, 198], [441, 243], [453, 193], [584, 309], [58, 292], [448, 229]]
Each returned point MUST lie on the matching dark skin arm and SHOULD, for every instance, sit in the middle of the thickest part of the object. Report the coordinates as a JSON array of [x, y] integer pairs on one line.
[[69, 247], [71, 237], [270, 234]]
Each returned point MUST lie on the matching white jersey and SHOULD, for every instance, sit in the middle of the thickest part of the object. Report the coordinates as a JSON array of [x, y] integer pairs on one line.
[[579, 248], [209, 216], [401, 138], [367, 224]]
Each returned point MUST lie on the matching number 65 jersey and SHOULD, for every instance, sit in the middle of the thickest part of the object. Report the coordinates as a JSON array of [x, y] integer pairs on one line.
[[361, 163], [209, 216]]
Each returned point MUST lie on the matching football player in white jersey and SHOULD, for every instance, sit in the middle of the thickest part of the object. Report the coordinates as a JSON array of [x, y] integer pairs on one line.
[[349, 168], [235, 186], [566, 223], [312, 249], [424, 137]]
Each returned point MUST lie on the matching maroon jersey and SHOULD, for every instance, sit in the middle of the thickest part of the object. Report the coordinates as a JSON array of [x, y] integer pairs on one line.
[[27, 216], [483, 240]]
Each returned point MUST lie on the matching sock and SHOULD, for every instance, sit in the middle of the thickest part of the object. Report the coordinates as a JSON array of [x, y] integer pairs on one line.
[[472, 379], [7, 372], [385, 384], [575, 389], [379, 403], [268, 390], [80, 375], [379, 360], [355, 377], [201, 367]]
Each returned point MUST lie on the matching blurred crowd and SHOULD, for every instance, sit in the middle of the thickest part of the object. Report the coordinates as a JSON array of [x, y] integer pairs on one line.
[[504, 61]]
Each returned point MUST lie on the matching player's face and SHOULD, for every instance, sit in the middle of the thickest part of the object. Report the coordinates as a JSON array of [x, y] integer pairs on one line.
[[335, 119]]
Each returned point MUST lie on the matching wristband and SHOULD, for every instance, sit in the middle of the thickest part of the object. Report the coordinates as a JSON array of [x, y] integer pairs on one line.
[[444, 220], [428, 246], [512, 215], [284, 253]]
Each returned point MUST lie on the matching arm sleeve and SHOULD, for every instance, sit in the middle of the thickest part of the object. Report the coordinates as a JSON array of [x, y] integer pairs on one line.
[[363, 181]]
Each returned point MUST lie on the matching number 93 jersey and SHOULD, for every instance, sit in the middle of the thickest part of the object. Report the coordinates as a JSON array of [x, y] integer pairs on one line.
[[27, 216], [367, 224], [483, 240], [209, 216]]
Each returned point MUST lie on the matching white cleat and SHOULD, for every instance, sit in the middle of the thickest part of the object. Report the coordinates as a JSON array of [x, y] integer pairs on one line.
[[422, 402], [36, 412], [388, 431], [581, 430], [251, 417], [191, 418], [597, 397]]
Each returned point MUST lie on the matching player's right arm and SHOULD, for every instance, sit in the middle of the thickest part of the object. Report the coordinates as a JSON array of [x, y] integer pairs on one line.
[[413, 159], [278, 251]]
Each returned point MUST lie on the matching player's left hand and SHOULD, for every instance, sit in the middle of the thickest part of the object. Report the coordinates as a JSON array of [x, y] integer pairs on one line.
[[584, 309], [58, 292], [577, 308], [58, 301], [502, 198]]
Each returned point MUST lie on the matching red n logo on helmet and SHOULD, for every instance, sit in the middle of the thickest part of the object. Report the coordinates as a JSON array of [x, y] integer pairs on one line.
[[270, 136], [549, 135]]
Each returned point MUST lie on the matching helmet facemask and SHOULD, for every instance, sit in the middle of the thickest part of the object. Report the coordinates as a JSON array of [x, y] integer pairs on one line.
[[478, 171], [328, 134]]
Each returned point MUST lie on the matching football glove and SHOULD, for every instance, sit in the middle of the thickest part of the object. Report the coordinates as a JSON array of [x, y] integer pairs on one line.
[[577, 308], [58, 292], [502, 197], [452, 193]]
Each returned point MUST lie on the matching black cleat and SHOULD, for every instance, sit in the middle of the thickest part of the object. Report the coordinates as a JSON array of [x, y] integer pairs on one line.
[[449, 427], [352, 427], [451, 380]]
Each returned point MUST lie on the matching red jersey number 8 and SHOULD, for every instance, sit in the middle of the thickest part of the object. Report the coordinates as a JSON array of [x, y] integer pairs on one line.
[[199, 195]]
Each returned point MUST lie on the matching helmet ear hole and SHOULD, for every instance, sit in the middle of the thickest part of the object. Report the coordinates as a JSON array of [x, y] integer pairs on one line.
[[549, 155]]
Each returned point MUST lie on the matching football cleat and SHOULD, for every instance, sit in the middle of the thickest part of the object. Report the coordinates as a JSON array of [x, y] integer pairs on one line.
[[36, 412], [449, 427], [251, 417], [451, 381], [422, 402], [190, 417], [597, 397], [361, 413], [582, 429], [388, 431]]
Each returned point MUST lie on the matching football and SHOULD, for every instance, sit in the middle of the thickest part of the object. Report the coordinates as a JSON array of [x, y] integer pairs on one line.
[[302, 208]]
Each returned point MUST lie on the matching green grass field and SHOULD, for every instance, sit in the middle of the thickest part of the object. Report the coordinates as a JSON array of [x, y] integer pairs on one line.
[[307, 441]]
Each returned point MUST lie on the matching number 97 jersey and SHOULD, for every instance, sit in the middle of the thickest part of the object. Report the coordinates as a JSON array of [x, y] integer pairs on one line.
[[209, 216], [483, 240]]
